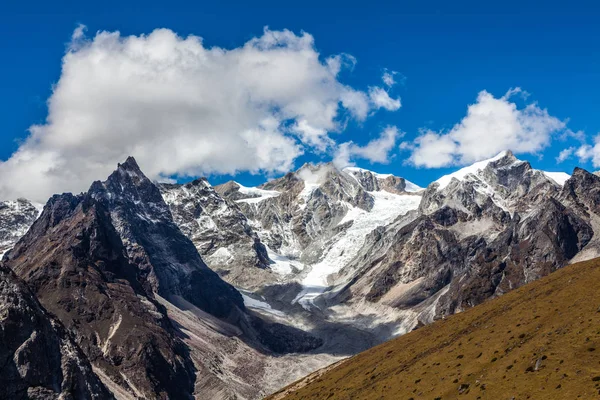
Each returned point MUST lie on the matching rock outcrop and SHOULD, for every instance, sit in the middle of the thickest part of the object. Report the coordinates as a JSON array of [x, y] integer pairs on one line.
[[38, 359]]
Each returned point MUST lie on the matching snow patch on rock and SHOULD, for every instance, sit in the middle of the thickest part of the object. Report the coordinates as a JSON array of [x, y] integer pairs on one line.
[[558, 177]]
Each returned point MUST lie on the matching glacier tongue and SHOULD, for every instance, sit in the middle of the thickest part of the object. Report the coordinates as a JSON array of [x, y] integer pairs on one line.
[[386, 208]]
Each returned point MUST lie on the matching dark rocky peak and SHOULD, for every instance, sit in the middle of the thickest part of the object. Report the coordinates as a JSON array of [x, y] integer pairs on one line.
[[583, 191], [38, 358], [167, 260], [128, 187], [75, 262], [131, 167]]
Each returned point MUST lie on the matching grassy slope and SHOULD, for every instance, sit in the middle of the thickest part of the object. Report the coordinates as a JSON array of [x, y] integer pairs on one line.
[[493, 348]]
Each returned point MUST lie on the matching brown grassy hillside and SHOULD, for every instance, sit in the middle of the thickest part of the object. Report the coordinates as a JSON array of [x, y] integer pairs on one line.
[[541, 341]]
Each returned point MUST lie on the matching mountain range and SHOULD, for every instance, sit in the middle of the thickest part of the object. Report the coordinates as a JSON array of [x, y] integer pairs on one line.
[[167, 290]]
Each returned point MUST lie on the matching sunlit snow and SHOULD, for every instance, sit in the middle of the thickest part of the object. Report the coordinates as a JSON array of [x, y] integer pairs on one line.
[[471, 169], [558, 177], [386, 208], [258, 194]]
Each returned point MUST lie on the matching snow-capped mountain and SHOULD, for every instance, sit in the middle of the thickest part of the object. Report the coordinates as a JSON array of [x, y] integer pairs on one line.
[[479, 232], [350, 255], [218, 229], [377, 248], [152, 319]]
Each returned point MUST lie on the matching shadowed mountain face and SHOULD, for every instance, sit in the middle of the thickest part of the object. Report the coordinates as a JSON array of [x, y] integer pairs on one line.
[[168, 262], [74, 261], [38, 359]]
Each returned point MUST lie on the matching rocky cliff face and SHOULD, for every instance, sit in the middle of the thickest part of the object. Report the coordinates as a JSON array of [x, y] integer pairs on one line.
[[153, 320], [37, 356], [168, 262], [218, 228]]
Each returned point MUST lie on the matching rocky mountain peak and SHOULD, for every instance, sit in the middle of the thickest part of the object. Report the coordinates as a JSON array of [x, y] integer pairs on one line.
[[216, 225], [167, 259], [130, 165], [506, 182], [582, 190]]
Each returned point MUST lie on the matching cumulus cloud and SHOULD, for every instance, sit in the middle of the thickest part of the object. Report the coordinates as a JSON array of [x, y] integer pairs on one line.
[[185, 109], [376, 151], [490, 126]]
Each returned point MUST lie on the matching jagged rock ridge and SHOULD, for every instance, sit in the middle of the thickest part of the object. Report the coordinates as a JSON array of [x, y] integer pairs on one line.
[[116, 271]]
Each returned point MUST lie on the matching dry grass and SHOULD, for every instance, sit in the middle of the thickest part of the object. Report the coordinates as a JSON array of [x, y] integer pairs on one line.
[[541, 341]]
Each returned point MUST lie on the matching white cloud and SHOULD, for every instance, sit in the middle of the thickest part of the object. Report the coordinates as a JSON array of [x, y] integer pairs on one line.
[[565, 154], [388, 78], [78, 33], [490, 126], [587, 153], [391, 78], [376, 151], [381, 99], [184, 109]]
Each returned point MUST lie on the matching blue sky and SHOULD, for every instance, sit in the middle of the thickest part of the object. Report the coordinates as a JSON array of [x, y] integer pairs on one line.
[[446, 54]]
